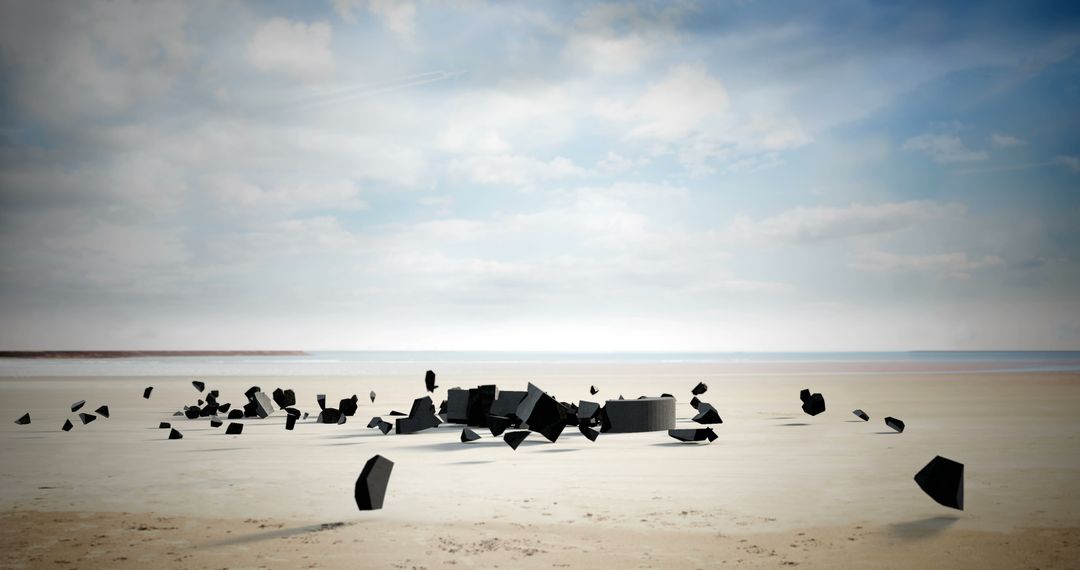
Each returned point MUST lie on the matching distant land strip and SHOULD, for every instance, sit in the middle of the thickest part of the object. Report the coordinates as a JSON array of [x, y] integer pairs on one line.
[[141, 353]]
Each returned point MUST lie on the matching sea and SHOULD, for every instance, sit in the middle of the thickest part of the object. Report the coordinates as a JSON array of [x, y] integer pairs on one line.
[[346, 363]]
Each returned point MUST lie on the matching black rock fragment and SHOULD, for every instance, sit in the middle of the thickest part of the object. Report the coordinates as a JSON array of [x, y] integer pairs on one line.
[[348, 406], [421, 416], [862, 415], [146, 392], [329, 416], [67, 425], [514, 438], [284, 398], [23, 419], [102, 411], [234, 429], [173, 434], [371, 485], [541, 413], [372, 395], [691, 435], [215, 422], [813, 404], [75, 407], [588, 432], [290, 422], [385, 427], [321, 398], [87, 418], [429, 381], [699, 389], [264, 406], [943, 480], [164, 425], [593, 391], [498, 424], [588, 413], [236, 414], [192, 412], [200, 386], [694, 402], [895, 424], [707, 414], [468, 435], [374, 422]]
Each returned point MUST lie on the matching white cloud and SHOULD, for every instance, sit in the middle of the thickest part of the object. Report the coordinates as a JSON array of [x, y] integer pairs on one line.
[[805, 225], [399, 16], [515, 170], [953, 264], [1072, 162], [295, 48], [1001, 140], [943, 148]]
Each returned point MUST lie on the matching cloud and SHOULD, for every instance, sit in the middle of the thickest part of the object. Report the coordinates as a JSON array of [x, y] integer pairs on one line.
[[953, 264], [515, 170], [943, 148], [822, 223], [1006, 141], [1072, 162], [399, 16], [294, 48]]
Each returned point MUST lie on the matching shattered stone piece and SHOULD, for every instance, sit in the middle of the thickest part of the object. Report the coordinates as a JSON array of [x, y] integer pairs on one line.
[[372, 396], [699, 389], [707, 414], [321, 398], [24, 419], [251, 409], [284, 398], [342, 418], [292, 412], [87, 418], [457, 405], [514, 438], [813, 404], [173, 434], [67, 425], [943, 480], [234, 429], [895, 424], [263, 405], [178, 413], [862, 415], [215, 422], [481, 399], [542, 413], [429, 381], [588, 432], [507, 402], [370, 490], [236, 414], [421, 416], [694, 402], [498, 424], [250, 393], [631, 416], [192, 412], [329, 416], [102, 411], [588, 413], [146, 392], [164, 425], [374, 422], [385, 427], [75, 407], [224, 408], [691, 435], [397, 413], [290, 422], [468, 435], [200, 386], [593, 391], [348, 406]]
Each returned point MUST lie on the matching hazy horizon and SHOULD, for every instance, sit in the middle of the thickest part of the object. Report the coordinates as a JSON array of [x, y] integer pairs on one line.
[[464, 175]]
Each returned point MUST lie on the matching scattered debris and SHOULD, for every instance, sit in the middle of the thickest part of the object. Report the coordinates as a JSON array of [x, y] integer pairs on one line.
[[24, 419], [87, 418], [102, 411], [164, 425], [468, 435], [146, 392], [290, 422], [692, 435], [813, 404], [514, 438], [284, 398], [372, 395], [215, 422], [541, 413], [861, 415], [75, 407], [707, 414], [943, 480], [700, 389], [263, 405], [429, 381], [67, 425], [421, 416], [895, 424], [371, 485], [593, 391], [173, 434], [588, 432], [234, 429], [200, 386]]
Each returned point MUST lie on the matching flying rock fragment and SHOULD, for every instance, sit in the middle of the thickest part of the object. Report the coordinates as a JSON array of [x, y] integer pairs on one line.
[[514, 438], [468, 435], [692, 435], [370, 490], [895, 424]]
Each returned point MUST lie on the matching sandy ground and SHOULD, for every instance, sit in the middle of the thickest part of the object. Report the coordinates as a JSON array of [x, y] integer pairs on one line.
[[777, 488]]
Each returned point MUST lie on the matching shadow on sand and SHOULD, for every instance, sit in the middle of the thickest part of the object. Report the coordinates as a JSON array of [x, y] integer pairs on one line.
[[275, 534], [922, 528]]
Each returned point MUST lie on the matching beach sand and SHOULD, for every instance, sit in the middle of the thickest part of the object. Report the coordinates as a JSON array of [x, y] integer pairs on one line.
[[778, 488]]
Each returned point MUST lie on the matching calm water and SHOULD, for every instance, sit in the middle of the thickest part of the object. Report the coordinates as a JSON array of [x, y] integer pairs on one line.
[[319, 363]]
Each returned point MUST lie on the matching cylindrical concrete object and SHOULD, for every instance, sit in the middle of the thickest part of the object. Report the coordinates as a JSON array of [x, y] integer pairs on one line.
[[643, 414]]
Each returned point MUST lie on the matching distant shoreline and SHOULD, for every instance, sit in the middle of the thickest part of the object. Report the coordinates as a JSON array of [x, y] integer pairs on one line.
[[62, 354]]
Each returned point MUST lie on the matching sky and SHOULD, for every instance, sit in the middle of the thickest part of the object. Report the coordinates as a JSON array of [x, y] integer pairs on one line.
[[441, 175]]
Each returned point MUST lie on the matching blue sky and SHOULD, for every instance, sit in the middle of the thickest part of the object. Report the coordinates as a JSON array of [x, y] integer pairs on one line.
[[366, 174]]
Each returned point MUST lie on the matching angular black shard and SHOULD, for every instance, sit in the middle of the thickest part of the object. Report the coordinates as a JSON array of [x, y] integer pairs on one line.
[[234, 429], [385, 427], [264, 406], [507, 402], [224, 408], [943, 480], [251, 410], [372, 396], [588, 413], [321, 398], [691, 435], [374, 422], [421, 416], [284, 398], [305, 415], [24, 419], [348, 407], [632, 416], [468, 435], [429, 381], [895, 424], [481, 399], [75, 407], [200, 386], [804, 394], [442, 410], [666, 395], [371, 484], [588, 432], [571, 413], [250, 392], [514, 438], [236, 414], [292, 412], [213, 394], [199, 402], [862, 415], [102, 411], [457, 405], [329, 416], [541, 413], [593, 391], [290, 422], [164, 425], [87, 418], [707, 414], [397, 413], [215, 422], [173, 434], [699, 389], [178, 413], [146, 392], [694, 402], [342, 419], [67, 425], [498, 424], [192, 412], [208, 410], [813, 404]]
